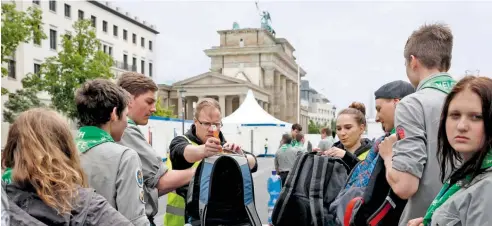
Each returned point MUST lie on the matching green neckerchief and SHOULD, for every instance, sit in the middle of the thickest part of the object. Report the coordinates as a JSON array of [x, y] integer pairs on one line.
[[449, 190], [7, 176], [285, 146], [130, 121], [91, 136], [442, 82], [393, 131]]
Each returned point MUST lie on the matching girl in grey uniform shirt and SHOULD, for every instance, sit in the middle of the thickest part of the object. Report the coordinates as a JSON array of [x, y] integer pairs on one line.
[[465, 138]]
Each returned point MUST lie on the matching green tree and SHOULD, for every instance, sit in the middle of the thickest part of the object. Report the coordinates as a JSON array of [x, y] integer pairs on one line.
[[162, 111], [78, 60], [19, 101], [18, 27], [313, 128]]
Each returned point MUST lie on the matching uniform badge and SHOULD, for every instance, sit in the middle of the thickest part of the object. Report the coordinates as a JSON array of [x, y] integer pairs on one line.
[[139, 177], [400, 133], [142, 197]]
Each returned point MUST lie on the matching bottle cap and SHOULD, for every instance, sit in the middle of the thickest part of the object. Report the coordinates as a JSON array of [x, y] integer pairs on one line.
[[274, 172]]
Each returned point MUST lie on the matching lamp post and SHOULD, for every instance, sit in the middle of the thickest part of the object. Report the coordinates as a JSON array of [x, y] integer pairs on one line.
[[182, 95]]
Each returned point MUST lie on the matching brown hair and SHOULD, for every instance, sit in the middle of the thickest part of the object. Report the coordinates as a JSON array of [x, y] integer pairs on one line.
[[326, 130], [432, 45], [42, 154], [206, 102], [449, 158], [299, 137], [96, 99], [136, 84], [297, 127], [358, 110]]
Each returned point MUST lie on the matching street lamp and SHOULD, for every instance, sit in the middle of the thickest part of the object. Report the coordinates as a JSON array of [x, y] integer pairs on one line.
[[181, 93]]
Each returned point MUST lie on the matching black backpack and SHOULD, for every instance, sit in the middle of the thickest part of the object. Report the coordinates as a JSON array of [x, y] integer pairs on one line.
[[222, 193], [379, 205], [312, 184]]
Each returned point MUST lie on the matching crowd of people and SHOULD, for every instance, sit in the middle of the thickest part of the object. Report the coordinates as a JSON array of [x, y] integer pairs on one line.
[[437, 151]]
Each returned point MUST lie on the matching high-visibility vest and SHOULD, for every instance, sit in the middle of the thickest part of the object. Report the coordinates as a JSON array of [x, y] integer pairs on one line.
[[175, 209]]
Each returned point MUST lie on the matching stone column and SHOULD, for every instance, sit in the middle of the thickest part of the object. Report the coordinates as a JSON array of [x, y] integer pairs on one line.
[[283, 99], [241, 98], [260, 103], [265, 107], [222, 103], [180, 105], [228, 106], [189, 108], [296, 101], [277, 97], [290, 102]]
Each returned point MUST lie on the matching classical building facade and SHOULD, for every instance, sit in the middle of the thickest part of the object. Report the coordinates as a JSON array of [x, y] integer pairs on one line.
[[320, 109], [246, 59]]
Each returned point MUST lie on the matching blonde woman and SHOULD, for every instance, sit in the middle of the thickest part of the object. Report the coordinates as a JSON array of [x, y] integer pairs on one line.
[[44, 180]]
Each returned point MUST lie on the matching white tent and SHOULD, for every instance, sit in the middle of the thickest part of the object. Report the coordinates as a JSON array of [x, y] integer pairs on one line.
[[251, 114]]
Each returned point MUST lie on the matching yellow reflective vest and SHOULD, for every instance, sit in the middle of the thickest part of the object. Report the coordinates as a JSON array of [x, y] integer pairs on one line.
[[175, 209]]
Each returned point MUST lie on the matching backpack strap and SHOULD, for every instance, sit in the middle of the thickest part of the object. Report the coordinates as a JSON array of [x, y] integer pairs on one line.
[[205, 180], [248, 189], [322, 169], [288, 188]]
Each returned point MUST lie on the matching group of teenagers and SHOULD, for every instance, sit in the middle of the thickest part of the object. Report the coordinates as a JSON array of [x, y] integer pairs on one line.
[[108, 173], [437, 147], [437, 151]]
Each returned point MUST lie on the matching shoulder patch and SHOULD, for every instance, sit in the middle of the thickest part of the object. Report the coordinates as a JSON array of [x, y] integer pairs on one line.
[[400, 133], [141, 196], [139, 177]]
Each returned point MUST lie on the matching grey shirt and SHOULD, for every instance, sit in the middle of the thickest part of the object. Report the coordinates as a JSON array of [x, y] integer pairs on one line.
[[325, 144], [469, 206], [286, 157], [417, 119], [152, 166], [112, 170]]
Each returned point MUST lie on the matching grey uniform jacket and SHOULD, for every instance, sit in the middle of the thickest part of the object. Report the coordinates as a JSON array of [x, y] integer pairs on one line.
[[152, 166], [286, 157], [113, 170], [469, 206], [417, 119]]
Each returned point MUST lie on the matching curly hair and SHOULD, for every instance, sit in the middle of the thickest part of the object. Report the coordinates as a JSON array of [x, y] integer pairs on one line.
[[41, 152]]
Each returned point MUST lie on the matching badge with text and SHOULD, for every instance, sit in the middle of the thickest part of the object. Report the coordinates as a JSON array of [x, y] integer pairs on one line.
[[400, 133], [142, 197], [139, 177]]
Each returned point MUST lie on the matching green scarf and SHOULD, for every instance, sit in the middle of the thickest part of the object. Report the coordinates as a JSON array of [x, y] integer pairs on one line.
[[442, 82], [449, 190], [91, 136], [87, 138], [130, 121]]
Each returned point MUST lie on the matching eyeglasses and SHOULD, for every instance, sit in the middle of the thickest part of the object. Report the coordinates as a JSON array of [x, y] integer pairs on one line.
[[208, 124]]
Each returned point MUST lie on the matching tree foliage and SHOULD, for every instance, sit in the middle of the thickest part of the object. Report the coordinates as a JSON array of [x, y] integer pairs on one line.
[[162, 111], [19, 101], [314, 128], [18, 27], [79, 60]]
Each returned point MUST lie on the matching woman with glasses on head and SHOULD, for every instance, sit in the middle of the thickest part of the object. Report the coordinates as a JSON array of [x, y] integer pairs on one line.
[[465, 154], [204, 139], [45, 181]]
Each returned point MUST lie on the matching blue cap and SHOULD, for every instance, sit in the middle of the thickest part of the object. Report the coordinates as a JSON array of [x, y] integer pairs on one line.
[[274, 172]]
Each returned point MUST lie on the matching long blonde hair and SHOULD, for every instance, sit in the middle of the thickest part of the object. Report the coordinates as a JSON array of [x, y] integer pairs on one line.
[[42, 154]]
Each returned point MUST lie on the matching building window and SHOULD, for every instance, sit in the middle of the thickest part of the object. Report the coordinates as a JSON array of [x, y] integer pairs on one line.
[[53, 6], [69, 36], [134, 38], [142, 67], [105, 48], [134, 63], [142, 41], [125, 61], [68, 11], [150, 45], [115, 30], [105, 26], [93, 20], [150, 69], [37, 68], [81, 15], [12, 69], [53, 39], [36, 2], [110, 50], [125, 34], [37, 41]]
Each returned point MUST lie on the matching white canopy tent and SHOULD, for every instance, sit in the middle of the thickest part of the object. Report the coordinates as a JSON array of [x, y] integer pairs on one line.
[[250, 113], [252, 126]]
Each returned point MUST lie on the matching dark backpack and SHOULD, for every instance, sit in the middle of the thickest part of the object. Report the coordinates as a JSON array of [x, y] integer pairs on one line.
[[378, 206], [312, 184], [222, 193]]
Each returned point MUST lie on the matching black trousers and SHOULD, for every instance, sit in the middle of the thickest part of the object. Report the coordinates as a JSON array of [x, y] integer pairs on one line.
[[283, 176]]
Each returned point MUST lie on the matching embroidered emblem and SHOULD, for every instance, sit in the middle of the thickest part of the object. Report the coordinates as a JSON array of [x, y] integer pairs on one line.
[[139, 177], [400, 132], [142, 197]]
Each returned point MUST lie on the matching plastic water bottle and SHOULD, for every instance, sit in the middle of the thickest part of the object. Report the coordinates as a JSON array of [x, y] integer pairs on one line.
[[274, 186]]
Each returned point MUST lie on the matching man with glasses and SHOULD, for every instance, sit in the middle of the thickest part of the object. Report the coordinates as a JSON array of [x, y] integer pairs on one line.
[[198, 143]]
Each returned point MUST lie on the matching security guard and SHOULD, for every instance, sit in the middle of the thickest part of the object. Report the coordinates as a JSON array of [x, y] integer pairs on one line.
[[188, 150], [157, 179], [113, 170]]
